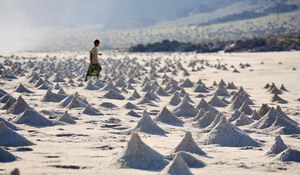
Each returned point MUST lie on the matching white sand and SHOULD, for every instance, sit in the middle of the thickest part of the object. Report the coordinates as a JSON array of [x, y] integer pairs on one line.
[[88, 146]]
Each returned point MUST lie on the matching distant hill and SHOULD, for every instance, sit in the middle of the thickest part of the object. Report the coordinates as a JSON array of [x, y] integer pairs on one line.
[[195, 22]]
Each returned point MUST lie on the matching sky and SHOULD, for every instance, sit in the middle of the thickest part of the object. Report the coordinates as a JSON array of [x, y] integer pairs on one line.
[[23, 23]]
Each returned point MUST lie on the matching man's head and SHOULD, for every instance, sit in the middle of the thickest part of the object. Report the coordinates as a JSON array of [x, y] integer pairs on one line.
[[96, 42]]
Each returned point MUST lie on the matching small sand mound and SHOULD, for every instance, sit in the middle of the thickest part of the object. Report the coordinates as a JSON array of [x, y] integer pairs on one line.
[[8, 137], [213, 123], [140, 156], [176, 167], [19, 106], [185, 109], [88, 110], [66, 118], [133, 114], [226, 134], [277, 147], [22, 89], [147, 125], [242, 120], [161, 92], [4, 98], [283, 88], [33, 118], [61, 91], [72, 101], [165, 116], [289, 155], [6, 156], [189, 145], [200, 89], [112, 94], [189, 159]]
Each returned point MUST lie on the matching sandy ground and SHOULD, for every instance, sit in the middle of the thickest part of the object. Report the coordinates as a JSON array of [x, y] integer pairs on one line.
[[89, 147]]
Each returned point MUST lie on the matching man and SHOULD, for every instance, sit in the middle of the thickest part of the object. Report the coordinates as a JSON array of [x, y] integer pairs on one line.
[[94, 67]]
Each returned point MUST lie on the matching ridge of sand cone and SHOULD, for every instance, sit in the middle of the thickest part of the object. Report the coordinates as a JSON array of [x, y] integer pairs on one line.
[[6, 156], [189, 145], [9, 137], [147, 125], [226, 134], [33, 118], [176, 167], [165, 116], [277, 147], [138, 155]]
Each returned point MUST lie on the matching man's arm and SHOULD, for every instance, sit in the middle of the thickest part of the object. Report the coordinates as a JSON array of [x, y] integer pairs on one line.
[[91, 57]]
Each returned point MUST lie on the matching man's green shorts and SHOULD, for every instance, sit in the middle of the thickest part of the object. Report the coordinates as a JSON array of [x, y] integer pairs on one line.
[[94, 70]]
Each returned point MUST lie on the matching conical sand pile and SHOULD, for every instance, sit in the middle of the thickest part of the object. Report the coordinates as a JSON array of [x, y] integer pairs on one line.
[[205, 120], [246, 108], [226, 134], [278, 99], [175, 100], [277, 147], [32, 118], [185, 109], [167, 117], [112, 94], [66, 118], [133, 114], [201, 112], [91, 86], [9, 103], [9, 137], [52, 97], [19, 106], [255, 115], [215, 101], [6, 156], [189, 145], [22, 89], [138, 155], [242, 120], [206, 107], [176, 167], [147, 125], [8, 124], [88, 110], [189, 159], [289, 155]]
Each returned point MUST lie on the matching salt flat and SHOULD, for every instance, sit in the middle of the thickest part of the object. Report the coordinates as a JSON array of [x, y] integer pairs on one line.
[[97, 142]]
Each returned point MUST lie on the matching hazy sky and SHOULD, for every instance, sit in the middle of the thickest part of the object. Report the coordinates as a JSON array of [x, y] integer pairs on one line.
[[27, 20]]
